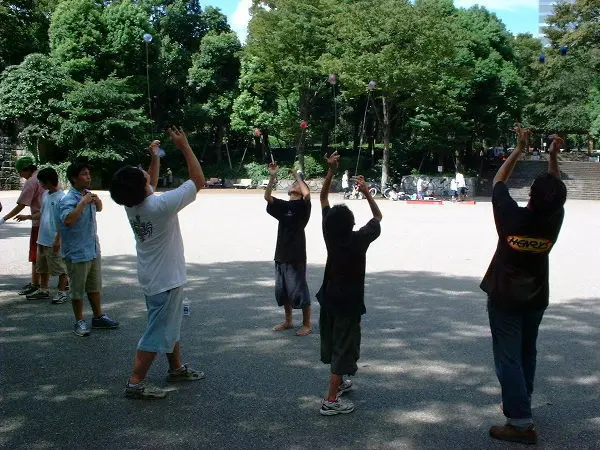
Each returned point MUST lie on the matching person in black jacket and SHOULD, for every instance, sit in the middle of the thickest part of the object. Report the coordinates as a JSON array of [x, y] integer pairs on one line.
[[517, 284]]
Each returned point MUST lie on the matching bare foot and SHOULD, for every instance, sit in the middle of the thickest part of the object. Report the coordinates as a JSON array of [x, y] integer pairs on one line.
[[283, 326], [303, 331]]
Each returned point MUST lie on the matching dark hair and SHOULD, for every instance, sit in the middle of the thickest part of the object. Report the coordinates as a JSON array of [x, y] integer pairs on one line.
[[75, 169], [128, 186], [48, 175], [548, 194], [338, 224], [32, 168]]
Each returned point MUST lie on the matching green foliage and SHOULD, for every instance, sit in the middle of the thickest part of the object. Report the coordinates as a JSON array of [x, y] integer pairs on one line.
[[61, 170], [312, 167], [448, 79], [26, 93], [99, 120], [256, 171], [124, 49], [76, 36], [23, 29]]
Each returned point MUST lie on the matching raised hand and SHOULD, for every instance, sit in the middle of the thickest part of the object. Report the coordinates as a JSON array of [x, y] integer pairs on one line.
[[522, 133], [273, 169], [362, 184], [154, 146], [556, 145], [178, 137], [333, 161]]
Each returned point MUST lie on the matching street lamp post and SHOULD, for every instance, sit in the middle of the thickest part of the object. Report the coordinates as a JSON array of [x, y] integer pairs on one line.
[[147, 39]]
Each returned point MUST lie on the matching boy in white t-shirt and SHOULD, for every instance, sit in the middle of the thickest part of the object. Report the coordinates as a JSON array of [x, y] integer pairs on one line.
[[48, 261], [160, 261]]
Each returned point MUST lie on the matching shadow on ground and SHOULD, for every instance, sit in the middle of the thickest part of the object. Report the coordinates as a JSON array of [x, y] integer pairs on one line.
[[425, 378], [12, 229]]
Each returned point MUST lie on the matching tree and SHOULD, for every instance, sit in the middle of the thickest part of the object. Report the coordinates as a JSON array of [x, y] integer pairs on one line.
[[23, 29], [214, 74], [255, 107], [402, 47], [289, 38], [100, 120], [125, 23], [77, 34], [26, 94], [566, 94]]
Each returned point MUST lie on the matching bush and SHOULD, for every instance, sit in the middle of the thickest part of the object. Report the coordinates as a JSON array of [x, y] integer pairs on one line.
[[256, 171], [221, 170], [61, 170], [312, 167]]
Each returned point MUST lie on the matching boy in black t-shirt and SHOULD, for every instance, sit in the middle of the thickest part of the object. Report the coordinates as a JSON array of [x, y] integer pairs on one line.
[[291, 289], [517, 285], [342, 293]]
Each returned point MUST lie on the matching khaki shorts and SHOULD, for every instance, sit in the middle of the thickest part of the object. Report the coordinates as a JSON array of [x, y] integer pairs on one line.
[[49, 262], [84, 278]]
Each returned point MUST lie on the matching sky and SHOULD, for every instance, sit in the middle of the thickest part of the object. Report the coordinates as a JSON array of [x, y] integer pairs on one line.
[[519, 16]]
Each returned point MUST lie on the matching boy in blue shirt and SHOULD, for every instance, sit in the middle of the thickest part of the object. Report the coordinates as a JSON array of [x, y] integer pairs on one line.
[[81, 249], [49, 261]]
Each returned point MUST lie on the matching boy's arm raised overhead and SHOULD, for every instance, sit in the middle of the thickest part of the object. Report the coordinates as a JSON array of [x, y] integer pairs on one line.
[[194, 169], [273, 170], [154, 168], [507, 168], [334, 163], [557, 144]]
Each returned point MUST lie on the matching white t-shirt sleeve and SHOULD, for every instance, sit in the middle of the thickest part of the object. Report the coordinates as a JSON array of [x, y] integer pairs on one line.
[[174, 201]]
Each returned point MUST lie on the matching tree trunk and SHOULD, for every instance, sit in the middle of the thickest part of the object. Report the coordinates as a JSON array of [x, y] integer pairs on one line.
[[356, 137], [266, 150], [258, 150], [325, 141], [385, 164], [219, 144], [305, 106], [591, 143]]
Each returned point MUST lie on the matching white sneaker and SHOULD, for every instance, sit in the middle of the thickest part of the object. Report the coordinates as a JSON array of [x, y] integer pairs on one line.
[[81, 328], [338, 407], [59, 298], [344, 387]]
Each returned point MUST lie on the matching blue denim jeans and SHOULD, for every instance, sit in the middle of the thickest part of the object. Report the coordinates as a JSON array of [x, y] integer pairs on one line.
[[514, 337]]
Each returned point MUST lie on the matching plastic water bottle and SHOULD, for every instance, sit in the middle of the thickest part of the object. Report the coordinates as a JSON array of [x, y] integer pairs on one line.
[[186, 307]]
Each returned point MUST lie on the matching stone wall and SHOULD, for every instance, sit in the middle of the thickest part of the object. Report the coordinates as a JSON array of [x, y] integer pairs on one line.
[[9, 178]]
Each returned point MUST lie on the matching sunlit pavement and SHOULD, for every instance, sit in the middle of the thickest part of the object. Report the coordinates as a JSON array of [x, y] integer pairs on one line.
[[425, 376]]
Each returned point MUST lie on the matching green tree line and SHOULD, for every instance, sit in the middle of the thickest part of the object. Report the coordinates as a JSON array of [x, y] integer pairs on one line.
[[407, 84]]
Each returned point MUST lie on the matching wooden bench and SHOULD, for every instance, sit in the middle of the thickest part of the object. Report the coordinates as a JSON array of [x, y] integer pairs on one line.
[[244, 183]]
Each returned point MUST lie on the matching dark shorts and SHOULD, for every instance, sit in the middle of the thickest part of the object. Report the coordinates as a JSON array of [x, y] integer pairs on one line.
[[33, 244], [290, 284], [340, 342], [462, 191]]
